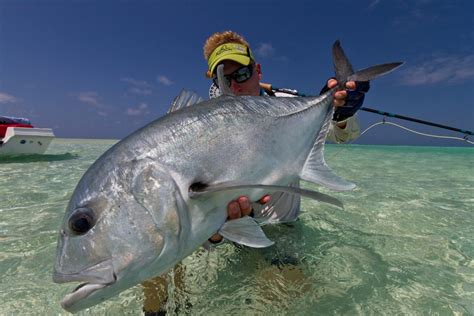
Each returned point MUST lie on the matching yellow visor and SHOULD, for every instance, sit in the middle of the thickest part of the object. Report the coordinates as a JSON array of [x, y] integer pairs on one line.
[[229, 51]]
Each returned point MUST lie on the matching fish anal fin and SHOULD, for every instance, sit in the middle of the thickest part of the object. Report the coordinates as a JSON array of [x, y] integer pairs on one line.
[[319, 172], [316, 170]]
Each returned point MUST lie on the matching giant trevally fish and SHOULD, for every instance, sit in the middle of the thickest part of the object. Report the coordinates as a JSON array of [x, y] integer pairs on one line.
[[160, 193]]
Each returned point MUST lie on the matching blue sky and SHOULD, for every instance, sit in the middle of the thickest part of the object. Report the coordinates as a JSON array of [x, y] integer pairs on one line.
[[102, 69]]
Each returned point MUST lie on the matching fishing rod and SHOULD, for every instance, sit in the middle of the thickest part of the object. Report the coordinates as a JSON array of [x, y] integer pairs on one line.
[[268, 87]]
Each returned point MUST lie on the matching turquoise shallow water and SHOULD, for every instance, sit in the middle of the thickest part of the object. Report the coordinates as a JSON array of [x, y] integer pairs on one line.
[[403, 245]]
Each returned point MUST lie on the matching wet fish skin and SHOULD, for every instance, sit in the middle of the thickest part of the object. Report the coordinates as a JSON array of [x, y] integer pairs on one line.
[[138, 190], [132, 217]]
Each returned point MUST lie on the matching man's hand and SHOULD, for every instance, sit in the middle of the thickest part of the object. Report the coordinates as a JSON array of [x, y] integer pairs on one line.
[[237, 209], [351, 98], [341, 95]]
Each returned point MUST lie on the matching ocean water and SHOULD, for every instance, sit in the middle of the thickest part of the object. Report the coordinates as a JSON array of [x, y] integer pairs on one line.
[[404, 244]]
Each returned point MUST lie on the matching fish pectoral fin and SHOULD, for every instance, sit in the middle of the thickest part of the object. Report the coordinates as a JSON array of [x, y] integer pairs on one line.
[[245, 231], [199, 189]]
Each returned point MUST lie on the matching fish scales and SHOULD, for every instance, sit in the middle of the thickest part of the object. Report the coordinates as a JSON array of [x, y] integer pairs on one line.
[[158, 194]]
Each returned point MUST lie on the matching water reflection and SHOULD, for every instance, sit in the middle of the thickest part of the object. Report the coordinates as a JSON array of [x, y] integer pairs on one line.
[[37, 158]]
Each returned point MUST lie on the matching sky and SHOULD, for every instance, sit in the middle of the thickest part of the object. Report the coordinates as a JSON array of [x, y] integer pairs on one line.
[[103, 69]]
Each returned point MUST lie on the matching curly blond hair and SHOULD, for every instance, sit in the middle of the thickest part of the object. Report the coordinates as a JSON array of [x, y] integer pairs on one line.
[[219, 38]]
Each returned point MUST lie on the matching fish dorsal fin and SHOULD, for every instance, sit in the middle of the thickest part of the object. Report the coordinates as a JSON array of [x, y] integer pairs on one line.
[[315, 168], [223, 87], [199, 189], [245, 231], [184, 99]]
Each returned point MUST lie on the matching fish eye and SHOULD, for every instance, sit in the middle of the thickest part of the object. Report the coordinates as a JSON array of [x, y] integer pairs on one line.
[[81, 220]]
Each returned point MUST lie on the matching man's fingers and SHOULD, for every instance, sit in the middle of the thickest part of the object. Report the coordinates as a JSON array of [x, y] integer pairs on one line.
[[265, 199], [233, 210], [236, 209], [340, 95], [332, 83], [351, 85], [245, 207], [340, 98]]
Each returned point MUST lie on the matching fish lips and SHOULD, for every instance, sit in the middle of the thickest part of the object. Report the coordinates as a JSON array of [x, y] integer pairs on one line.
[[95, 277]]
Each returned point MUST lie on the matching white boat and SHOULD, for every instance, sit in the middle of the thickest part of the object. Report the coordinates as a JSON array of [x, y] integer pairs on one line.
[[19, 137]]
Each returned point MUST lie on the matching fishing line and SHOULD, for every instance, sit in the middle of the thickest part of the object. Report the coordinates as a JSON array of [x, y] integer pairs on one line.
[[465, 138], [412, 119]]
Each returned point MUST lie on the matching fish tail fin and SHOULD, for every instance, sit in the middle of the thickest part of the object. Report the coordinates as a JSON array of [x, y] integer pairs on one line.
[[315, 169], [342, 65], [345, 72]]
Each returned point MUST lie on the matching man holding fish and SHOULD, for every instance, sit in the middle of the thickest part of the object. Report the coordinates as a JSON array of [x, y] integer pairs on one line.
[[157, 195], [243, 75]]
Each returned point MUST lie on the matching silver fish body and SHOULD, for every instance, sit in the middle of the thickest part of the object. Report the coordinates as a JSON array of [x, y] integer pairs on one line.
[[136, 194], [133, 216]]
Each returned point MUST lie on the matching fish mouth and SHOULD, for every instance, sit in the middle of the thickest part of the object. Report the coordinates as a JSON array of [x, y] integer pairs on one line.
[[94, 278], [83, 291]]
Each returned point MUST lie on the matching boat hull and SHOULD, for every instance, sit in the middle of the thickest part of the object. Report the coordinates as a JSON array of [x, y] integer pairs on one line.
[[25, 141]]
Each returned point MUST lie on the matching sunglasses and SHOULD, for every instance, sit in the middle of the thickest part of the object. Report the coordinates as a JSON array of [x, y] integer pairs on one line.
[[240, 75]]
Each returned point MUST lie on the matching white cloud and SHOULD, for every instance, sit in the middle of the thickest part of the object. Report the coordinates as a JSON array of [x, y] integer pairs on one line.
[[420, 12], [7, 98], [89, 97], [440, 69], [140, 91], [142, 108], [164, 80], [92, 98], [138, 87], [373, 4], [265, 50]]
